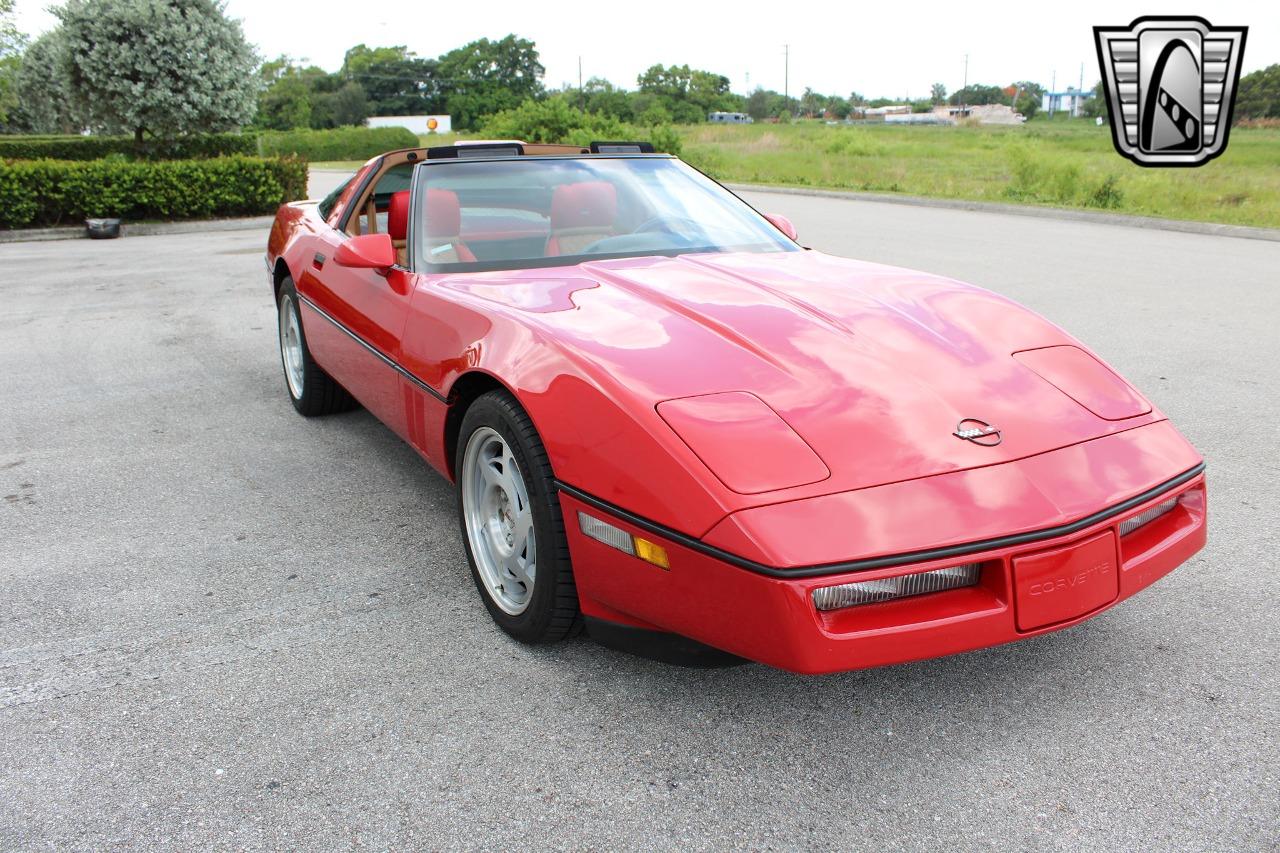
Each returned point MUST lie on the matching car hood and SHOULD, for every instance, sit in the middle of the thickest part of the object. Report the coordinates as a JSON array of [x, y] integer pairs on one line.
[[872, 366]]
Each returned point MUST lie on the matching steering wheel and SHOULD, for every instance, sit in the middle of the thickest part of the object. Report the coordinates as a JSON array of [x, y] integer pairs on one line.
[[664, 223]]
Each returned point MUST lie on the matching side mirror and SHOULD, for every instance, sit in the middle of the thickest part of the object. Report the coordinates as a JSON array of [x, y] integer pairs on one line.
[[367, 252], [782, 224]]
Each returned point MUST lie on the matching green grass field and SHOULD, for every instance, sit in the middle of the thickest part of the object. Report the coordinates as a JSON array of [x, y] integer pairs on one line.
[[1059, 163]]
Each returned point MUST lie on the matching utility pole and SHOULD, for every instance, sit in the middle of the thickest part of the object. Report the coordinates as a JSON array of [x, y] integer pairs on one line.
[[786, 77], [1053, 87], [965, 89], [582, 98], [1079, 99]]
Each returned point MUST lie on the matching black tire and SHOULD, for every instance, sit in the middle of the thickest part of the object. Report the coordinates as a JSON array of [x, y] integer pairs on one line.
[[552, 612], [320, 394]]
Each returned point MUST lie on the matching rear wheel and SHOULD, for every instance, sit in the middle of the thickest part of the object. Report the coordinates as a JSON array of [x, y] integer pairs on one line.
[[312, 391], [511, 522]]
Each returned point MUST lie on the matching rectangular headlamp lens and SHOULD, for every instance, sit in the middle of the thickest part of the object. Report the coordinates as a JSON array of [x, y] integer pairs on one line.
[[901, 586], [1147, 516]]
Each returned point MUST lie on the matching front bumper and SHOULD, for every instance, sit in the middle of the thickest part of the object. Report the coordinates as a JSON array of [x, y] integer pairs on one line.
[[770, 617]]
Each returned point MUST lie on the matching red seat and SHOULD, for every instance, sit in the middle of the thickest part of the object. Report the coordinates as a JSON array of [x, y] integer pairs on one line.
[[398, 217], [581, 214], [443, 229], [398, 225]]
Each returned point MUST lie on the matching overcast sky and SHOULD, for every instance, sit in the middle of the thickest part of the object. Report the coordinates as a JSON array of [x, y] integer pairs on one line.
[[895, 49]]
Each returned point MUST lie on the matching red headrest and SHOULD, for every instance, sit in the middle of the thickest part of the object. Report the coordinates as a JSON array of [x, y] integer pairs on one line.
[[398, 215], [444, 216], [583, 204]]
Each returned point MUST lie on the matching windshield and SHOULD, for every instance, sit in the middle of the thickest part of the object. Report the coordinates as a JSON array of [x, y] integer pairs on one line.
[[543, 211]]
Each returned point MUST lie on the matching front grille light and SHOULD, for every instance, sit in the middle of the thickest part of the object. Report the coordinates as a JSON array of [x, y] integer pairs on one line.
[[900, 586], [1147, 516]]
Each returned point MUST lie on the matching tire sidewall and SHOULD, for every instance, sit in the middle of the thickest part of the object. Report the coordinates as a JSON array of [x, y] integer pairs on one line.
[[530, 624], [287, 290]]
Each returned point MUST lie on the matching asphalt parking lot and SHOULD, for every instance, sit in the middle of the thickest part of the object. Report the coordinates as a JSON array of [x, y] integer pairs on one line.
[[222, 625]]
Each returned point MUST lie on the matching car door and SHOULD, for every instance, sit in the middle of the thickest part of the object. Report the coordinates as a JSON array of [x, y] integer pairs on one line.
[[363, 313]]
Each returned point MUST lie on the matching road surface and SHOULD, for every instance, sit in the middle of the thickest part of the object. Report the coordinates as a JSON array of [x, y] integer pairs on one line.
[[222, 625]]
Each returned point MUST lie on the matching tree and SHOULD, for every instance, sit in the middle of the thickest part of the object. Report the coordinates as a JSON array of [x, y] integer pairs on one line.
[[45, 102], [12, 43], [601, 97], [975, 94], [285, 100], [1259, 95], [396, 81], [938, 94], [1096, 107], [812, 104], [349, 105], [484, 77], [158, 67]]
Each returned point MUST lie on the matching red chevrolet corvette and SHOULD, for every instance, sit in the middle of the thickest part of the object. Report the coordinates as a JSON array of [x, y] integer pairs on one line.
[[669, 422]]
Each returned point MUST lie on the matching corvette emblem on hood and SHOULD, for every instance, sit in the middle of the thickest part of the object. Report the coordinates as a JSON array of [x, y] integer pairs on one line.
[[979, 432]]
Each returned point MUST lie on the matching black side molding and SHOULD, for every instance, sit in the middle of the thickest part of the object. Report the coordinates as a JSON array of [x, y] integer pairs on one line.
[[890, 559]]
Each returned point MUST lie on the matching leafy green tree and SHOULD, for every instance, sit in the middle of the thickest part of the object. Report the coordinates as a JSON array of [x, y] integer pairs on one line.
[[938, 94], [670, 83], [159, 67], [1027, 103], [45, 102], [396, 81], [285, 100], [1096, 107], [838, 107], [12, 43], [759, 103], [1259, 95], [484, 77], [975, 94], [812, 104], [603, 98], [687, 94], [347, 105]]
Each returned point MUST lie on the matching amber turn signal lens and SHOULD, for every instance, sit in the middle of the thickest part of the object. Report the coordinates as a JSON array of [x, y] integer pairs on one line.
[[616, 537], [652, 553]]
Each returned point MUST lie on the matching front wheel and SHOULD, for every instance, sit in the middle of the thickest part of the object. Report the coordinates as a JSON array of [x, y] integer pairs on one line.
[[311, 390], [511, 522]]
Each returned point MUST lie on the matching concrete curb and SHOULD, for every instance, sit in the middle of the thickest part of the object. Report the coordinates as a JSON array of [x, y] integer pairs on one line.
[[1246, 232], [140, 229]]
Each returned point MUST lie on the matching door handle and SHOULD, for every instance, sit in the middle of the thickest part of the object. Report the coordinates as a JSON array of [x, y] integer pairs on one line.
[[318, 261]]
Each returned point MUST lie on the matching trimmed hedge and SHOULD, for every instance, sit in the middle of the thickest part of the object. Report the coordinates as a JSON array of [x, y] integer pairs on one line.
[[52, 192], [97, 147], [340, 143]]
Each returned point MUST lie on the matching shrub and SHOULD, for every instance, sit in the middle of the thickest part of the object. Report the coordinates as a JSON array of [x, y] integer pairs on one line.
[[555, 121], [95, 147], [340, 143], [1038, 177], [50, 192]]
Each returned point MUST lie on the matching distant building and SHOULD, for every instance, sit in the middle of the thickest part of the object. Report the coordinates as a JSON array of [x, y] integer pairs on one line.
[[981, 113], [888, 110], [729, 118], [918, 118], [1071, 101], [420, 125]]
